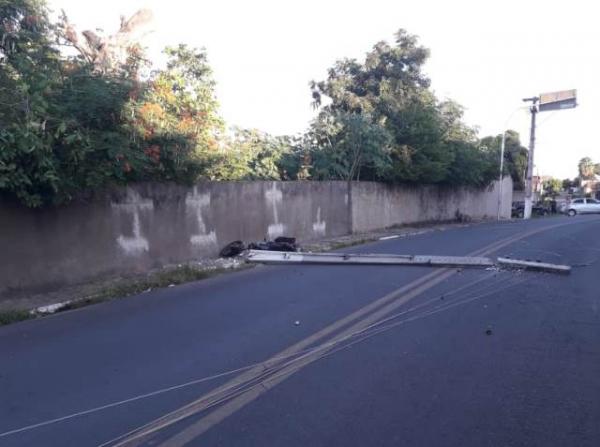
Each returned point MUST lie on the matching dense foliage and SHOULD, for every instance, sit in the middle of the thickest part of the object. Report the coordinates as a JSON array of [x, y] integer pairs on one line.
[[515, 156], [588, 169], [67, 128], [552, 187], [419, 139], [76, 121]]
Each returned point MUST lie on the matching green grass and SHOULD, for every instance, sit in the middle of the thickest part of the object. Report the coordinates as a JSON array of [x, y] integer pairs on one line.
[[126, 287], [13, 316], [134, 286], [461, 219], [346, 244]]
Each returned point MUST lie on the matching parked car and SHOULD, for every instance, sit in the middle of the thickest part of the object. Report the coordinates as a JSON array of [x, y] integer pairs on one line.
[[518, 210], [583, 206]]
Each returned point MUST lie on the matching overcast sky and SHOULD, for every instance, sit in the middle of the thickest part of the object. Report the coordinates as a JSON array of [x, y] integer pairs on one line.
[[486, 55]]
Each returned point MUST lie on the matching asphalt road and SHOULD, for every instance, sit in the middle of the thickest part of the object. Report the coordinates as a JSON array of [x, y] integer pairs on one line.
[[322, 356]]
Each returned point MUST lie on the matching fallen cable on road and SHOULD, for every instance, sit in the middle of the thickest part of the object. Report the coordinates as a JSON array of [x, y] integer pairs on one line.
[[271, 375], [276, 257]]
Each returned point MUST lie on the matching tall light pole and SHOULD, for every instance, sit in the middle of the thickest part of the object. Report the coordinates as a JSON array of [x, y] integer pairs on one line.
[[501, 176], [502, 148]]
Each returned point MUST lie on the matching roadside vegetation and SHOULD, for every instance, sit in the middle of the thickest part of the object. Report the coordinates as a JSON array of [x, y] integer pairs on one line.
[[81, 111], [14, 316], [123, 287]]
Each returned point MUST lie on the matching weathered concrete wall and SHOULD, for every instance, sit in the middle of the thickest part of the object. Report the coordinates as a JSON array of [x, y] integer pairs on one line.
[[375, 205], [131, 230], [519, 196]]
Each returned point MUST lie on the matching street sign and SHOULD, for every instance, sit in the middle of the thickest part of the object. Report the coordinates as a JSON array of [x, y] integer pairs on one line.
[[565, 99]]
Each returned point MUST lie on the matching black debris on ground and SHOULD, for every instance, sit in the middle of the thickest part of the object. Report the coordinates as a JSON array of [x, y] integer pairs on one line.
[[282, 243], [232, 249]]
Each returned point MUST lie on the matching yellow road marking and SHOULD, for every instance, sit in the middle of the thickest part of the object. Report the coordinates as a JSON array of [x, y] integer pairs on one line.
[[378, 309]]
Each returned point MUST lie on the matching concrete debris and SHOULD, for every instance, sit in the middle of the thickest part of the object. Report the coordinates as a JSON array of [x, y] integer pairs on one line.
[[533, 265], [296, 323], [50, 309]]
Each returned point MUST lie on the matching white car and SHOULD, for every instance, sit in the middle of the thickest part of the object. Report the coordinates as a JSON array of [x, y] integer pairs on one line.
[[583, 206]]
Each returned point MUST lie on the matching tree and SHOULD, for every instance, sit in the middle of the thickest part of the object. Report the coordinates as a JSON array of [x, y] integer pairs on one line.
[[391, 92], [348, 146], [586, 168], [419, 154], [295, 163], [75, 122], [68, 127], [29, 73], [552, 187], [472, 165], [250, 154], [25, 44], [173, 117], [388, 78], [267, 154], [107, 54], [515, 156], [568, 183], [65, 133]]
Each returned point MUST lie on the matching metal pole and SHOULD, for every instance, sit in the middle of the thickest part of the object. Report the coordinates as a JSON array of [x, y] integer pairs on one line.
[[501, 177], [530, 158]]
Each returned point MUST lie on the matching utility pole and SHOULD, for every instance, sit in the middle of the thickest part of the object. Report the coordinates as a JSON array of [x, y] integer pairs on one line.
[[565, 99], [529, 175]]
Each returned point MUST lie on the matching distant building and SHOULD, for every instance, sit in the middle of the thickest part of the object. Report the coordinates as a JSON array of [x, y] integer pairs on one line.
[[590, 186], [537, 184], [537, 189]]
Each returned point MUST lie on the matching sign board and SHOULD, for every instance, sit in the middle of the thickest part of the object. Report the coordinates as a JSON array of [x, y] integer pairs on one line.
[[566, 99]]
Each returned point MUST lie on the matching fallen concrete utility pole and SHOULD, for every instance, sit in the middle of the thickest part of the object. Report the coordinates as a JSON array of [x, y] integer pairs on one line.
[[276, 257], [533, 265]]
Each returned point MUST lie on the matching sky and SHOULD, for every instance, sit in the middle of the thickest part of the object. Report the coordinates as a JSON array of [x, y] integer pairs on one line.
[[486, 55]]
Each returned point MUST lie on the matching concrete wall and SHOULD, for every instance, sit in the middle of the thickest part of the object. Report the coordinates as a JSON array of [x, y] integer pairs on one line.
[[131, 230], [375, 205], [519, 196]]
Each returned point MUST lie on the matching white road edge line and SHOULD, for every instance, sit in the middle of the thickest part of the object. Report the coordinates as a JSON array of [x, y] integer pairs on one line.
[[385, 238]]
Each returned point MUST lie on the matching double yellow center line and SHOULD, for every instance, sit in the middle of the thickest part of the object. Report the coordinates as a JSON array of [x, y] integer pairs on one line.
[[231, 396]]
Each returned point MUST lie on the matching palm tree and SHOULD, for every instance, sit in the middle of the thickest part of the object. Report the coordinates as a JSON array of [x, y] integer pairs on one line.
[[586, 168]]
